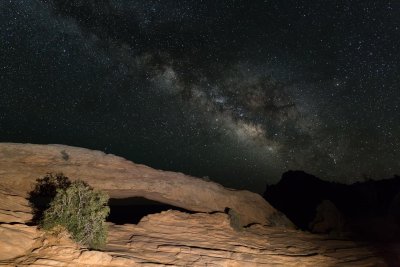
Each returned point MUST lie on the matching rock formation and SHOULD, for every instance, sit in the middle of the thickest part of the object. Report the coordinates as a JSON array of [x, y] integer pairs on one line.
[[175, 238], [172, 238], [22, 164]]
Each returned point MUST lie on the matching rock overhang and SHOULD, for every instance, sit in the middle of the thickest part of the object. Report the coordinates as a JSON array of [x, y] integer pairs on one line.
[[22, 164]]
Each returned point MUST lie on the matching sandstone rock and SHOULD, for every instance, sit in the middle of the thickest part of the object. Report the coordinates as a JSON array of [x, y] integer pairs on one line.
[[16, 240], [171, 238], [179, 239], [13, 208], [22, 164], [60, 250], [182, 239]]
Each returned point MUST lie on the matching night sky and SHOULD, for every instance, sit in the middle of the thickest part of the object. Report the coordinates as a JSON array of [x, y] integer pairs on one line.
[[238, 91]]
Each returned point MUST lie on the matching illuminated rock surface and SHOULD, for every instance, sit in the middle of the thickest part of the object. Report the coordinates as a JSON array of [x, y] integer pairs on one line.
[[168, 238]]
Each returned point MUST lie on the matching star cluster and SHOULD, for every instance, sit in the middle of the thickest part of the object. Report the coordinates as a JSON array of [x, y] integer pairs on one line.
[[239, 91]]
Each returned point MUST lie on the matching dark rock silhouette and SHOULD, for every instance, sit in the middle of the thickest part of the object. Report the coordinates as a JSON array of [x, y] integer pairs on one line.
[[328, 219], [363, 204]]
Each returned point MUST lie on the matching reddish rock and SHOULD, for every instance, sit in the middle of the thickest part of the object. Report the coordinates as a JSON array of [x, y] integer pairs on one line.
[[22, 164], [169, 238]]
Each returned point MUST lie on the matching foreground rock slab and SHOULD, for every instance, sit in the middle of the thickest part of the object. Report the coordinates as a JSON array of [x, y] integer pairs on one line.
[[175, 238], [180, 239], [22, 164]]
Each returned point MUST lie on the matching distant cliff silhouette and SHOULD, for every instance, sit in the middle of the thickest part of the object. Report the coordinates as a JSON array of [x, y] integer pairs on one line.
[[298, 195]]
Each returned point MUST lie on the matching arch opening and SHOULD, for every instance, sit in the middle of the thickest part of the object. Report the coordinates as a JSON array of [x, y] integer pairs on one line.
[[132, 209]]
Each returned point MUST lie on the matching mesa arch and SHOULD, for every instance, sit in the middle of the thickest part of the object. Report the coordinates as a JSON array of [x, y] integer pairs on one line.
[[22, 164]]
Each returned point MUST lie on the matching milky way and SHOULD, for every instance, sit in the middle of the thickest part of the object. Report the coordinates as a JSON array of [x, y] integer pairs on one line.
[[238, 91]]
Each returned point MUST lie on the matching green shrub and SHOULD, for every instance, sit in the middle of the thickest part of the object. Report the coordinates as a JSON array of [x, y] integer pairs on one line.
[[82, 211], [44, 192]]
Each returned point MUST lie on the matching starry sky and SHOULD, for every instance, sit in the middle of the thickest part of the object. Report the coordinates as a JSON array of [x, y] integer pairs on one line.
[[236, 91]]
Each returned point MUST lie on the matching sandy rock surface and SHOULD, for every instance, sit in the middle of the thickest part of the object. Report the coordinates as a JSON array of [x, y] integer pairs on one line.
[[181, 239], [170, 238], [174, 238], [22, 164]]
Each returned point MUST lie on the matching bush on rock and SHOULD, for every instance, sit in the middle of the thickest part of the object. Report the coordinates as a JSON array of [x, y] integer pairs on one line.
[[82, 211]]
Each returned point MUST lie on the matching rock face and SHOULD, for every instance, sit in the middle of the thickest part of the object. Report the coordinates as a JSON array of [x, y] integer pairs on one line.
[[22, 164], [175, 238], [181, 239], [13, 208], [172, 238]]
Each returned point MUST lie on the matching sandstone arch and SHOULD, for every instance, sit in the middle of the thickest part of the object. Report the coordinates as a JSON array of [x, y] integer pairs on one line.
[[22, 164]]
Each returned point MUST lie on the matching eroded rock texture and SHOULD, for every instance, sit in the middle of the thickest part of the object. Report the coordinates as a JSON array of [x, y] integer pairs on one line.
[[22, 164], [174, 238], [170, 238]]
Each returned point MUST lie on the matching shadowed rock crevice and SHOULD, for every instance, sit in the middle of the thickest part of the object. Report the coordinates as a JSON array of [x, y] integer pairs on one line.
[[132, 210]]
